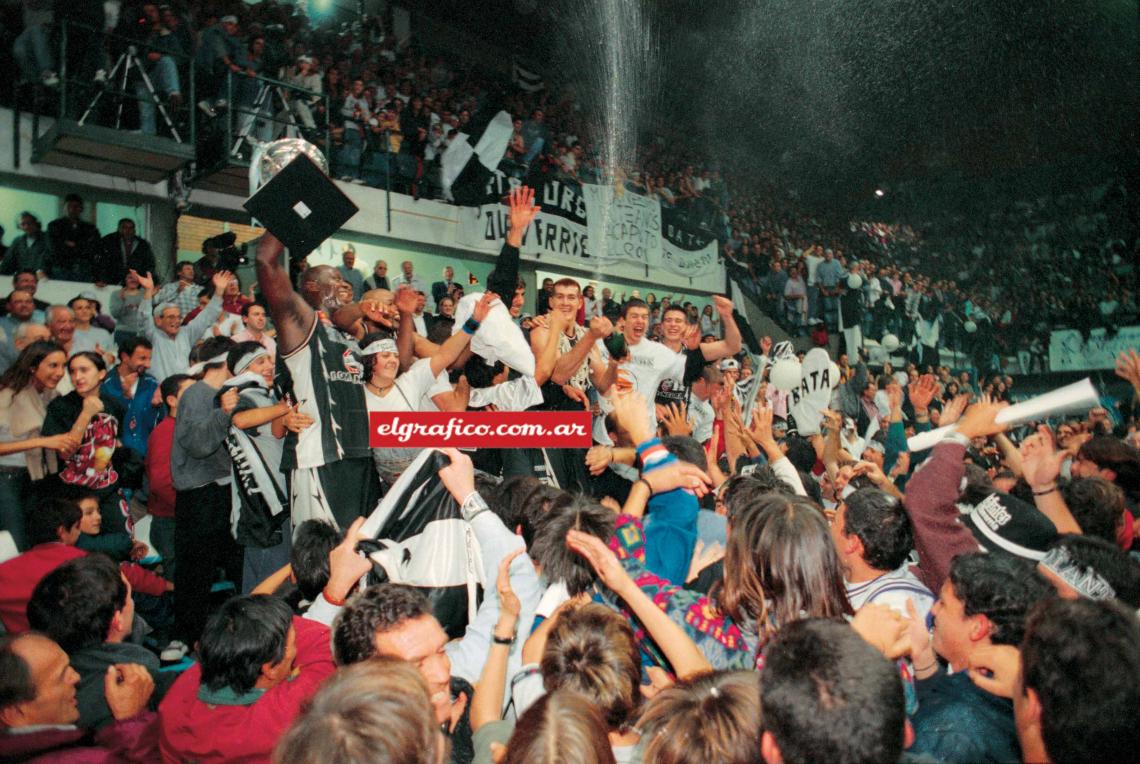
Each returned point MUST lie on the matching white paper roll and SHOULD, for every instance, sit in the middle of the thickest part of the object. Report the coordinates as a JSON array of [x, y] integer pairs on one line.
[[1079, 396]]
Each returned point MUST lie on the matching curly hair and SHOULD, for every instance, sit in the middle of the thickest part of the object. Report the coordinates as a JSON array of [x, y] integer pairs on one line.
[[881, 523], [377, 609], [1001, 587]]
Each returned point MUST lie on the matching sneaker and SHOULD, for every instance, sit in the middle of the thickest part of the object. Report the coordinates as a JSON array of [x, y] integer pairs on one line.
[[100, 76], [173, 652], [205, 108], [359, 181], [50, 79]]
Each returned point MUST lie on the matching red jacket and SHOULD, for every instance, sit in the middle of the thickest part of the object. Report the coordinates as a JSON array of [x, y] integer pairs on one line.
[[20, 575], [193, 730], [130, 740], [931, 496], [158, 446]]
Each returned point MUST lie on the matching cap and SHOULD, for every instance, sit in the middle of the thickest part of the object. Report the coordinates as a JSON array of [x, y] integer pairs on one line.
[[730, 364], [301, 206], [231, 19], [90, 297], [1003, 523]]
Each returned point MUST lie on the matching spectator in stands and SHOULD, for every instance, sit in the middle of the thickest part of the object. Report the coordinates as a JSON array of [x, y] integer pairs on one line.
[[985, 601], [826, 695], [27, 281], [253, 320], [409, 279], [1112, 459], [219, 53], [29, 251], [122, 252], [441, 289], [348, 270], [85, 606], [536, 136], [88, 335], [356, 112], [127, 308], [24, 388], [379, 277], [161, 496], [52, 530], [74, 244], [182, 291], [136, 391], [21, 312], [172, 341], [39, 709], [159, 47], [258, 665], [306, 77], [393, 719], [96, 420], [32, 48]]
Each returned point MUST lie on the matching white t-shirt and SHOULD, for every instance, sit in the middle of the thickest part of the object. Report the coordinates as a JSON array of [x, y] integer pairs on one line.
[[405, 395], [649, 363], [812, 262]]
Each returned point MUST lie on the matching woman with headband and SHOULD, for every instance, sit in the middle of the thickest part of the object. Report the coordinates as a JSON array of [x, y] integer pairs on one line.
[[388, 390]]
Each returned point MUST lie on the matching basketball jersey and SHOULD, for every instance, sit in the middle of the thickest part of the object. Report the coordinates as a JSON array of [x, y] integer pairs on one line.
[[325, 375]]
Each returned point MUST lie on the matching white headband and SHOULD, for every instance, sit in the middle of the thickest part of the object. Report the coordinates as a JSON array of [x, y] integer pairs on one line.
[[244, 362], [380, 346], [198, 368]]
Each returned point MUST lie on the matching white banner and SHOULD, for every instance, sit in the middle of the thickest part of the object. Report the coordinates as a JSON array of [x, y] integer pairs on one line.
[[1069, 352], [623, 226]]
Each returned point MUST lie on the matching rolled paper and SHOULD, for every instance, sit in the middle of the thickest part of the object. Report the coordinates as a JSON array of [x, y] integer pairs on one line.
[[1079, 396]]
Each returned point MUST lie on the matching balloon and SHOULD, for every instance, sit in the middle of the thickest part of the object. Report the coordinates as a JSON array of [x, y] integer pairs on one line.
[[970, 327], [890, 342], [785, 374], [835, 375], [854, 281]]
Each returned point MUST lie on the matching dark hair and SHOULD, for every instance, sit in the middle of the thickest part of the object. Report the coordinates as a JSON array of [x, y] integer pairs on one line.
[[549, 548], [1111, 453], [560, 726], [881, 523], [76, 602], [1097, 505], [1118, 568], [96, 359], [242, 636], [51, 514], [687, 450], [125, 220], [209, 348], [25, 271], [521, 501], [440, 331], [800, 452], [1001, 587], [128, 346], [741, 491], [781, 564], [245, 308], [240, 349], [675, 308], [369, 361], [826, 695], [16, 684], [592, 650], [168, 388], [377, 609], [633, 302], [19, 375], [309, 557], [1082, 658], [73, 198]]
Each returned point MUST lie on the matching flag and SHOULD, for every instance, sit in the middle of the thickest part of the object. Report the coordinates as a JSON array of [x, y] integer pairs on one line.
[[526, 79], [466, 181]]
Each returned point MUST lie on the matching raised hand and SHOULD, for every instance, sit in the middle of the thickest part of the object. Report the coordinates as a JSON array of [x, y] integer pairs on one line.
[[1128, 367], [146, 282], [483, 307], [221, 280], [522, 211], [629, 410], [922, 391], [406, 300], [346, 565], [678, 475], [980, 420], [952, 411], [509, 604], [676, 420], [1040, 459], [459, 476], [761, 430], [601, 558], [766, 345], [598, 458], [723, 306]]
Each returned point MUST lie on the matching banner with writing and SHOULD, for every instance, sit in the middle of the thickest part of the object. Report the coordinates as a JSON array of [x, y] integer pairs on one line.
[[1068, 350], [590, 224]]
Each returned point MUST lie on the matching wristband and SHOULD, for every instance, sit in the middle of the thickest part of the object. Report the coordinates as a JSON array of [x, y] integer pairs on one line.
[[495, 638], [960, 439], [470, 326], [334, 601], [648, 487], [1044, 492], [473, 506]]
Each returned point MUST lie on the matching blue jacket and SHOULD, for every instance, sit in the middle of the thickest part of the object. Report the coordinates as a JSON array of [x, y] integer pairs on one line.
[[959, 722], [141, 416], [671, 528]]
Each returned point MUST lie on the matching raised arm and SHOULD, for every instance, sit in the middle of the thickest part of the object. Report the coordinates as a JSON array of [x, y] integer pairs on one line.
[[505, 277], [213, 310], [290, 313], [1041, 462], [455, 344], [731, 343]]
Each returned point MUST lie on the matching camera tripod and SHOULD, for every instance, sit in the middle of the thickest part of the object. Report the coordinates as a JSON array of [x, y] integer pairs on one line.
[[121, 73], [262, 107]]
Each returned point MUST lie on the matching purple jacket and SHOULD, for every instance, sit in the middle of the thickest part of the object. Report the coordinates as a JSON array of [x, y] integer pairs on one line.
[[129, 741]]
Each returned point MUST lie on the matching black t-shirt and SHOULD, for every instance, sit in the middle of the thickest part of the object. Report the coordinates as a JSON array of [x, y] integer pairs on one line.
[[669, 391]]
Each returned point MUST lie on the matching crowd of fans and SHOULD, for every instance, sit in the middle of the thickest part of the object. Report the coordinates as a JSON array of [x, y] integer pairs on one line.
[[718, 578]]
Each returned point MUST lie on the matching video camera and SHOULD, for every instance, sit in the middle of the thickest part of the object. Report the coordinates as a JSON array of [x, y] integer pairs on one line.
[[230, 256]]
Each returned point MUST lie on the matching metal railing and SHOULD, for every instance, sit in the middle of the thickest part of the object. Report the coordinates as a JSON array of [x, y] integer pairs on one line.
[[261, 109]]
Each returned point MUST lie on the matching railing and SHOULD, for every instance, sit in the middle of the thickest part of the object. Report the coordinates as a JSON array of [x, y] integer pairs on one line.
[[103, 73]]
